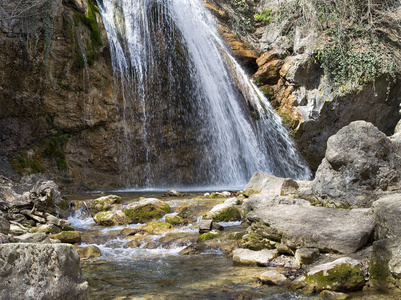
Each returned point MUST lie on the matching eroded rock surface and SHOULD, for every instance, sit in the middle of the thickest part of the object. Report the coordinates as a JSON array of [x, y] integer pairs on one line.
[[35, 271]]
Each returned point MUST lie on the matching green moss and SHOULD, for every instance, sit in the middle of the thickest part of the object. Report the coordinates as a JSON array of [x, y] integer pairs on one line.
[[68, 228], [174, 220], [104, 218], [54, 149], [24, 164], [63, 205], [226, 215], [156, 227], [343, 275], [146, 213], [209, 235], [236, 236], [255, 241]]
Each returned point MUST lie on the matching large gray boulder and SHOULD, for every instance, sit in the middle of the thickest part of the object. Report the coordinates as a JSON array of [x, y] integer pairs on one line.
[[299, 225], [387, 212], [41, 271], [263, 183], [360, 163]]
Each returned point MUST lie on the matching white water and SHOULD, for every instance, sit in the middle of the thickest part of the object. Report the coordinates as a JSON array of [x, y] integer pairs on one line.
[[214, 121]]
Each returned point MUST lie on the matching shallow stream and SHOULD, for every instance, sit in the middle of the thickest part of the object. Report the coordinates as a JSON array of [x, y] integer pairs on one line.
[[156, 270]]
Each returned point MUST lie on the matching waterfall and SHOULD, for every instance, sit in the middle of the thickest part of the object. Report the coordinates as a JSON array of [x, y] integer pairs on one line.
[[184, 113]]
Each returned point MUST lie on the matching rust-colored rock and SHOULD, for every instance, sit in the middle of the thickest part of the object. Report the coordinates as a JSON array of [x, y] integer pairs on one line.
[[269, 72]]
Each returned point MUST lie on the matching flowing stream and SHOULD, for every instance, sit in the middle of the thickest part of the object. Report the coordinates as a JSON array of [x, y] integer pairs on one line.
[[190, 115]]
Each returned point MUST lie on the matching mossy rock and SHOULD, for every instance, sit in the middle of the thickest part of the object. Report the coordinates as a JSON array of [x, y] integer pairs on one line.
[[209, 235], [156, 227], [88, 252], [110, 218], [146, 211], [342, 275], [255, 241], [70, 237], [226, 215], [175, 220], [104, 203]]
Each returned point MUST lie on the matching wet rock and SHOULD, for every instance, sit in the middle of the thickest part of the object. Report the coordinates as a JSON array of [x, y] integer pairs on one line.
[[209, 235], [205, 226], [342, 275], [145, 210], [103, 203], [70, 237], [306, 256], [156, 228], [4, 225], [225, 212], [172, 193], [88, 252], [263, 183], [387, 211], [175, 220], [273, 277], [385, 264], [138, 240], [79, 5], [360, 163], [190, 213], [111, 218], [330, 295], [31, 238], [328, 229], [177, 239], [57, 267], [129, 231], [250, 257]]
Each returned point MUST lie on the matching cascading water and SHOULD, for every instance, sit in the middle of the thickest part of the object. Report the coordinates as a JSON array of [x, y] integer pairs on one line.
[[185, 116]]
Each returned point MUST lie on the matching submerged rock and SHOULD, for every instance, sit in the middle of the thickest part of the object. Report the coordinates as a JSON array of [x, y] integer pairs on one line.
[[209, 235], [146, 210], [342, 275], [41, 271], [88, 252], [263, 183], [360, 163]]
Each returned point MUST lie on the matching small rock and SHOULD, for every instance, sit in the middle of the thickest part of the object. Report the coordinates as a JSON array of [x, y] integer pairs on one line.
[[250, 257], [156, 228], [225, 212], [88, 252], [172, 193], [209, 235], [273, 277], [129, 231], [56, 221], [306, 256], [330, 295], [205, 226], [110, 218], [283, 249], [104, 203], [70, 237]]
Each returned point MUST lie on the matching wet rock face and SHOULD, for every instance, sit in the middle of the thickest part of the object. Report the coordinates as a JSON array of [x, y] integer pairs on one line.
[[36, 271], [360, 162]]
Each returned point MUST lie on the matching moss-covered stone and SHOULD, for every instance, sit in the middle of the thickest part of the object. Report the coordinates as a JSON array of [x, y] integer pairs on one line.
[[146, 211], [255, 241], [226, 215], [209, 235], [156, 227], [175, 220], [104, 203], [110, 218], [88, 252], [342, 275], [71, 237]]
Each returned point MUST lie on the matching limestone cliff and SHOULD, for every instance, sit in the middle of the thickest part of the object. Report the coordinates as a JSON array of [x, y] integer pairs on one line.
[[322, 64], [56, 92]]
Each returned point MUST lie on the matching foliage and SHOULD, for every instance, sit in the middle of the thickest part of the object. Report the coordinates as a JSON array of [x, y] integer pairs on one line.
[[265, 16], [353, 33]]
